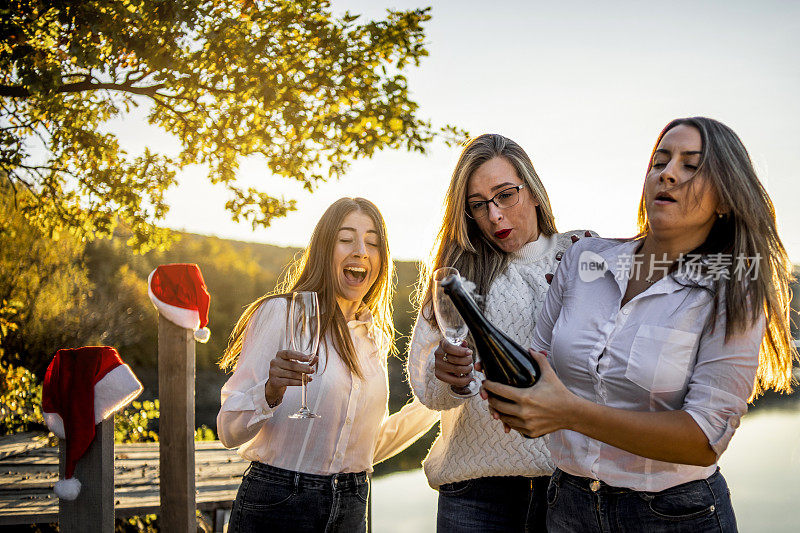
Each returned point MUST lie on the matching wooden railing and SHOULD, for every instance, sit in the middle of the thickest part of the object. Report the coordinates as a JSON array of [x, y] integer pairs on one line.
[[94, 508], [29, 468]]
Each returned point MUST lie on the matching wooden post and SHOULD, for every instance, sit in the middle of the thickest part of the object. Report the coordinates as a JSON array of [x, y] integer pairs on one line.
[[176, 369], [93, 510]]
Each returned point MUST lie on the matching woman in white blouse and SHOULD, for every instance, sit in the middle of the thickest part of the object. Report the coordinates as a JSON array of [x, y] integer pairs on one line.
[[311, 474], [499, 232], [657, 343]]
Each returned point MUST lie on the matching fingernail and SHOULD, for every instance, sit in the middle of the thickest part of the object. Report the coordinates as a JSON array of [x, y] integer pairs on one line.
[[469, 352]]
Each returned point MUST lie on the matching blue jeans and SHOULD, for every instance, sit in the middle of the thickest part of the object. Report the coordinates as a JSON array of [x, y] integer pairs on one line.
[[694, 507], [493, 504], [274, 499]]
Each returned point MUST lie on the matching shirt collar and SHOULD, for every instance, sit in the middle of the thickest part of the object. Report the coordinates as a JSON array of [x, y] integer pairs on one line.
[[617, 261], [363, 318]]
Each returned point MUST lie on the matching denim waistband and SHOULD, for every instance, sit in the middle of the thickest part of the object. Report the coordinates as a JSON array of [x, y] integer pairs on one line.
[[344, 481], [597, 486]]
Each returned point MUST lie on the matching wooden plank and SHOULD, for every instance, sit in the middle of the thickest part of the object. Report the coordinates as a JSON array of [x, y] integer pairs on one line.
[[38, 510], [93, 509], [218, 463], [21, 442], [176, 371], [26, 481]]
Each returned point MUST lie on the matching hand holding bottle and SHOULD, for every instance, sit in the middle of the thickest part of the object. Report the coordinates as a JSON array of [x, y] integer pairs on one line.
[[533, 411]]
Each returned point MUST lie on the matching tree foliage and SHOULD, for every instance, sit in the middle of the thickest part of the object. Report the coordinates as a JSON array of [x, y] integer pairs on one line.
[[286, 80], [20, 399]]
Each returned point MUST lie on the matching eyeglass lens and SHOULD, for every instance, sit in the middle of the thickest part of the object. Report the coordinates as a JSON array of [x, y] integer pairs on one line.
[[504, 199]]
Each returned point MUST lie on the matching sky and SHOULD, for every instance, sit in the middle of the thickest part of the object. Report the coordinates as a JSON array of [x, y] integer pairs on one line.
[[583, 87]]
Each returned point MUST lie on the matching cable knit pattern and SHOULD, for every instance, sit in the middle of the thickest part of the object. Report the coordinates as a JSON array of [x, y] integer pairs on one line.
[[471, 444]]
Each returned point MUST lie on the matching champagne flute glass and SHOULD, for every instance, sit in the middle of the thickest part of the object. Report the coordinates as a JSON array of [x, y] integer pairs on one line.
[[451, 325], [303, 330]]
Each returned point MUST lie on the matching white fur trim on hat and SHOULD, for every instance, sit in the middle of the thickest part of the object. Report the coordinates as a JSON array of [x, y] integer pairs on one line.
[[114, 391], [56, 424], [185, 318], [67, 489]]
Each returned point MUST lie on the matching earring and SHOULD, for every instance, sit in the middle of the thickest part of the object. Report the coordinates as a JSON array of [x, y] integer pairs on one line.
[[719, 215]]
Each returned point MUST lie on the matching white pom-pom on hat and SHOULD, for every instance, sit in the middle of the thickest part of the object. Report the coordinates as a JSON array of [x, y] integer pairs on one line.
[[202, 335], [67, 489]]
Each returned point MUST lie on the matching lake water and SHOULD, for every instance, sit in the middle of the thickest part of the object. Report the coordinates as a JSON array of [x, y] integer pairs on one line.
[[762, 466]]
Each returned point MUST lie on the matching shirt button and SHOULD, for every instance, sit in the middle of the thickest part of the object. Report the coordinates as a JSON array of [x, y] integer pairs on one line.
[[347, 420], [626, 311], [355, 386], [338, 455], [263, 411]]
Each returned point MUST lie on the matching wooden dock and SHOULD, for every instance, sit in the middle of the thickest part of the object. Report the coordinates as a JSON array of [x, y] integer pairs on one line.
[[29, 469]]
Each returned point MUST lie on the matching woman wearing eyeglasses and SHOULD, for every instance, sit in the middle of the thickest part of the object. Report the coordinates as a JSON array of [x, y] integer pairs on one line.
[[652, 368], [499, 232]]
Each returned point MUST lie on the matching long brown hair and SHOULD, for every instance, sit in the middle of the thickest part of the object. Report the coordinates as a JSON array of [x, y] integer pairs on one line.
[[460, 242], [747, 230], [312, 272]]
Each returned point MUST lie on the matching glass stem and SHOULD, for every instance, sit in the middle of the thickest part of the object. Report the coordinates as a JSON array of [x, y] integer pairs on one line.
[[303, 392]]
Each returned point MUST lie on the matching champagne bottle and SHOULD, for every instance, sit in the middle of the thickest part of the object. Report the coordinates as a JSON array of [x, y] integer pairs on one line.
[[503, 360]]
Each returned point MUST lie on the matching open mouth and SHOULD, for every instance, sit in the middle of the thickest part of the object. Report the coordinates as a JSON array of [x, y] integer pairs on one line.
[[664, 198], [502, 234], [354, 274]]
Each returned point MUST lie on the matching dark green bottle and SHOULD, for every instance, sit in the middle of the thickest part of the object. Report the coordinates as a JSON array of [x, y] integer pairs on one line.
[[503, 360]]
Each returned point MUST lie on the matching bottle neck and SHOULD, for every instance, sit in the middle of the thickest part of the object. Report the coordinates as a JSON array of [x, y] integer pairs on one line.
[[466, 305]]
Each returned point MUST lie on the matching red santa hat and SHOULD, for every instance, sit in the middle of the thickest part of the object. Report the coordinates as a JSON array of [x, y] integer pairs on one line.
[[83, 387], [180, 295]]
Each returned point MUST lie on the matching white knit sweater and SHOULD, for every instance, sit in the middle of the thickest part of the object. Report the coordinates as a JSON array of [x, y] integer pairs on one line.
[[471, 444]]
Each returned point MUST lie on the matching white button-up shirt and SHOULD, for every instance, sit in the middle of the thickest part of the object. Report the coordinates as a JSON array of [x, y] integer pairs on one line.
[[355, 429], [653, 354]]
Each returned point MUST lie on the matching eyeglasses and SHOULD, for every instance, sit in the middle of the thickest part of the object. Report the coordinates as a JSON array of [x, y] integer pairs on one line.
[[503, 200]]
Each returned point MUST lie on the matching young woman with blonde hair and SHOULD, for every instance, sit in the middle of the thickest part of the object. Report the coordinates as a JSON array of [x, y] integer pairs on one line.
[[653, 357], [499, 232], [311, 475]]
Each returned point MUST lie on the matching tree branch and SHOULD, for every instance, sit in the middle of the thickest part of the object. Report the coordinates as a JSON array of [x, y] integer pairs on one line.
[[17, 91], [177, 113]]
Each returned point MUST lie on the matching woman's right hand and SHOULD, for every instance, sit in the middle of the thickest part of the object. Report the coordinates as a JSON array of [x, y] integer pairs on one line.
[[453, 364], [286, 370]]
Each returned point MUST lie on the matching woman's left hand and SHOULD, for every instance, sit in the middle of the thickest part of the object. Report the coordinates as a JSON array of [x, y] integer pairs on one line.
[[546, 407]]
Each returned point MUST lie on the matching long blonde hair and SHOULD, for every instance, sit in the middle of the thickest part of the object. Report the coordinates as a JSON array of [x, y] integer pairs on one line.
[[749, 231], [460, 243], [313, 271]]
